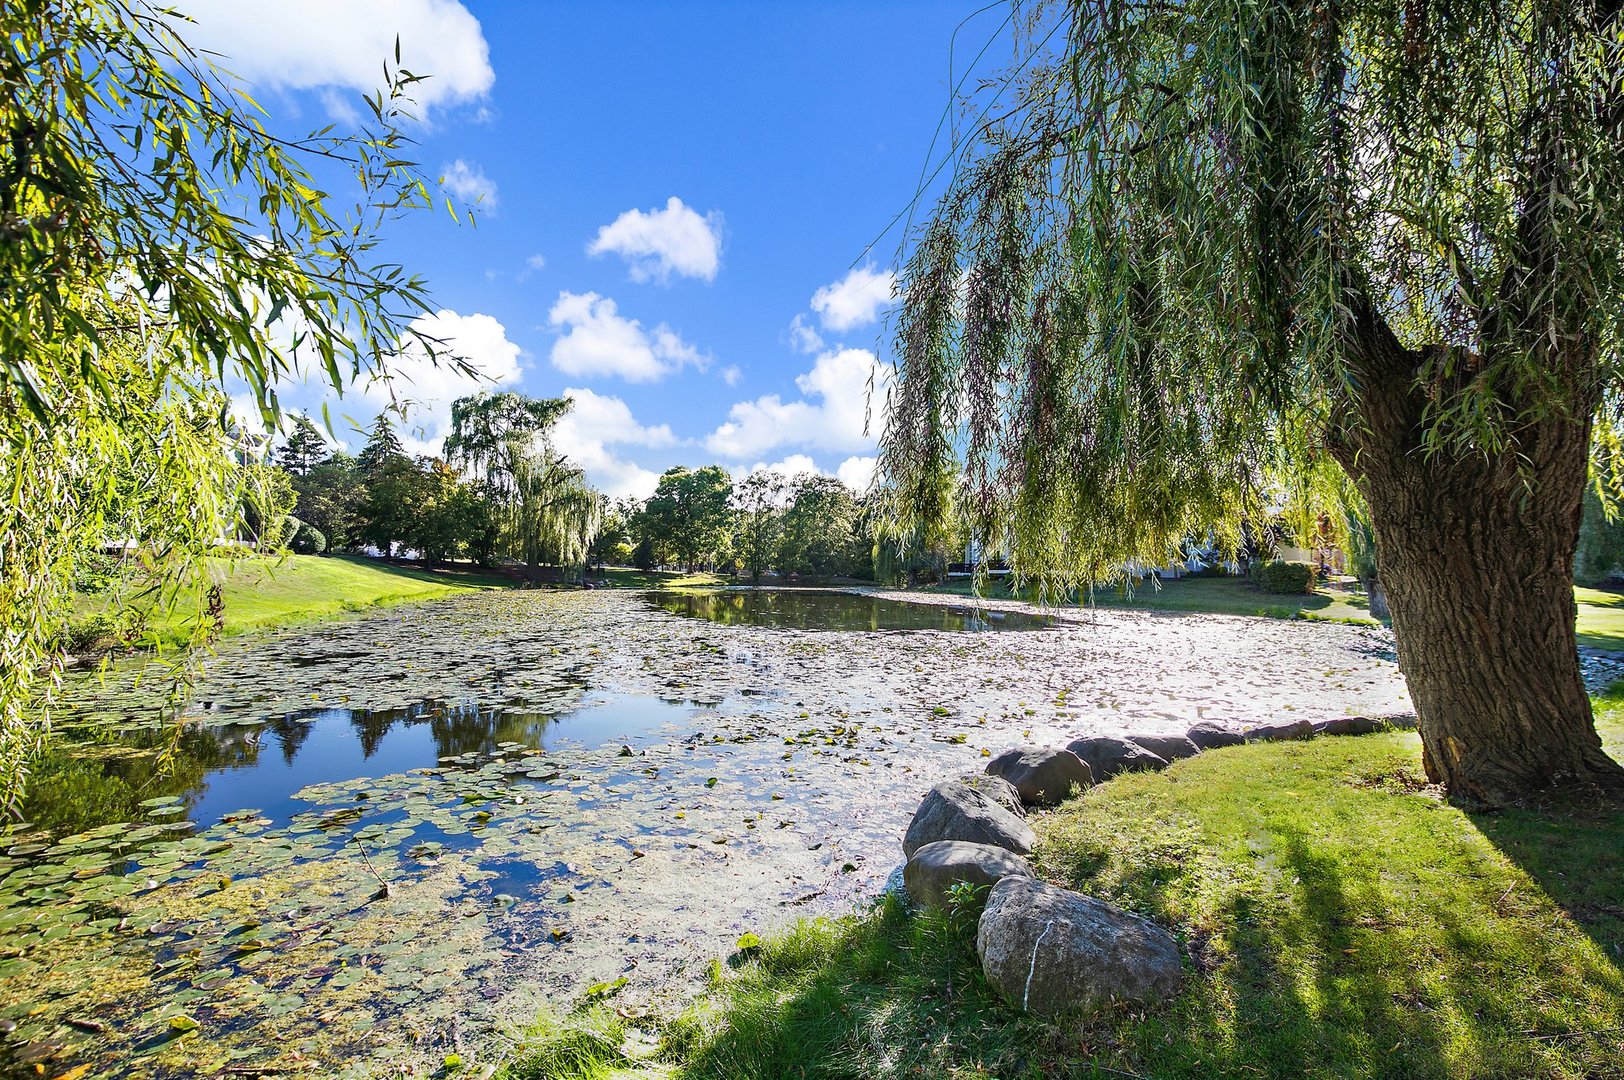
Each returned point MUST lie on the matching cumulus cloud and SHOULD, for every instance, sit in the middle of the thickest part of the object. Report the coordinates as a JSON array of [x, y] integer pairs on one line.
[[789, 468], [320, 45], [659, 243], [469, 183], [731, 374], [857, 472], [855, 300], [595, 423], [829, 416], [598, 341], [802, 337], [427, 389]]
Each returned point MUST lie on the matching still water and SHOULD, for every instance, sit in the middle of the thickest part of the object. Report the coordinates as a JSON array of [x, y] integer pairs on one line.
[[805, 609]]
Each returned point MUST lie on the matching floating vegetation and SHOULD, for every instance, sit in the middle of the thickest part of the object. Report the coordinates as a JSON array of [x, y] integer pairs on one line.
[[382, 840]]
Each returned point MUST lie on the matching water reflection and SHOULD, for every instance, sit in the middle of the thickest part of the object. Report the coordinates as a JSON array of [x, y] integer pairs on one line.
[[222, 768], [792, 609]]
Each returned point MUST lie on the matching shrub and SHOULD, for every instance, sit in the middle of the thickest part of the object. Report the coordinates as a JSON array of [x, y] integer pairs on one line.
[[1280, 576], [84, 635], [308, 540]]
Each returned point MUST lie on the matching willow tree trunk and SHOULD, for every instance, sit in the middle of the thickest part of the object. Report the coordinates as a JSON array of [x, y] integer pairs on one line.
[[1477, 561]]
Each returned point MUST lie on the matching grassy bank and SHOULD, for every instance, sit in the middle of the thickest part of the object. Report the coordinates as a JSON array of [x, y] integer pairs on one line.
[[627, 577], [1340, 919], [1600, 622], [263, 593]]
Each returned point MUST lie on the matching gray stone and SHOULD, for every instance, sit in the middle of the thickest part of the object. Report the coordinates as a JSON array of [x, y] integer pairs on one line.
[[1107, 755], [1297, 729], [1042, 775], [1210, 736], [1001, 791], [955, 811], [1171, 747], [1346, 725], [936, 868], [1054, 952]]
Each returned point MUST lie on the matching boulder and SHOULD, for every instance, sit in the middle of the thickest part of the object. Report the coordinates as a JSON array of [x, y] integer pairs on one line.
[[1054, 952], [955, 811], [936, 868], [1171, 747], [1346, 725], [1210, 736], [1001, 791], [1042, 775], [1107, 755], [1297, 729]]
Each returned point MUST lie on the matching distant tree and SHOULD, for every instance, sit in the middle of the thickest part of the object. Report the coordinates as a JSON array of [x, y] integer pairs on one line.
[[758, 502], [303, 449], [613, 544], [332, 498], [396, 493], [819, 532], [1600, 559], [382, 447], [436, 527], [689, 512]]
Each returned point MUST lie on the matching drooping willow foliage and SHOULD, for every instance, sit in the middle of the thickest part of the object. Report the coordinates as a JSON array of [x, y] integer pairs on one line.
[[156, 243], [550, 513], [1141, 306]]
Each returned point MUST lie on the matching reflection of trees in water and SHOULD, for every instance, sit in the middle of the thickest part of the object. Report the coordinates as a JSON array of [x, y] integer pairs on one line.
[[94, 777]]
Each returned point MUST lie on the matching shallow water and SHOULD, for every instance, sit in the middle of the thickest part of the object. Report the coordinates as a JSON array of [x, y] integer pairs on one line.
[[561, 789], [811, 609]]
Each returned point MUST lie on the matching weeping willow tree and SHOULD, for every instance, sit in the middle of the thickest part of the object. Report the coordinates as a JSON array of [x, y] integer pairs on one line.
[[157, 242], [550, 513], [1204, 252]]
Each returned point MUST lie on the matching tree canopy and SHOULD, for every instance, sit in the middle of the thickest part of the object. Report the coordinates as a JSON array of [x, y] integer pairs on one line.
[[1203, 257]]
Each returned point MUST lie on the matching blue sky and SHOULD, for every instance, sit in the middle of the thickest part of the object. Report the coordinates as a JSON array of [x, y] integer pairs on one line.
[[675, 201]]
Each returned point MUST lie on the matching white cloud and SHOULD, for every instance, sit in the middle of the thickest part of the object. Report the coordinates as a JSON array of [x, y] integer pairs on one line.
[[536, 262], [731, 374], [830, 416], [598, 341], [789, 468], [659, 243], [802, 337], [597, 422], [857, 472], [469, 183], [855, 300], [322, 45], [427, 388]]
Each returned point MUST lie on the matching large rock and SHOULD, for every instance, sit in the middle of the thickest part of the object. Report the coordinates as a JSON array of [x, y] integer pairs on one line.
[[998, 789], [1297, 729], [1346, 725], [936, 868], [1107, 755], [1053, 952], [1210, 736], [1042, 775], [955, 811], [1171, 747]]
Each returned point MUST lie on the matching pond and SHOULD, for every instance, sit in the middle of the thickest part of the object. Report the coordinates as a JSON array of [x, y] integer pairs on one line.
[[368, 844], [813, 609]]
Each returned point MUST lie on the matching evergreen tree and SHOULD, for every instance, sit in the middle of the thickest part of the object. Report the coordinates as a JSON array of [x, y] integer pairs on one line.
[[382, 447], [303, 449]]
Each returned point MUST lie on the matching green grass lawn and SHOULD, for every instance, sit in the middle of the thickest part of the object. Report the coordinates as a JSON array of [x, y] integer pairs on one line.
[[1341, 921], [1217, 595], [261, 593], [626, 577], [1601, 619]]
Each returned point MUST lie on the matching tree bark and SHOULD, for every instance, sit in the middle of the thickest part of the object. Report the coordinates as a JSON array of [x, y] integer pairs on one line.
[[1477, 559]]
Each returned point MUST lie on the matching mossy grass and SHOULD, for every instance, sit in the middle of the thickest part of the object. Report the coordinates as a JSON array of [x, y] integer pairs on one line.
[[1340, 918]]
